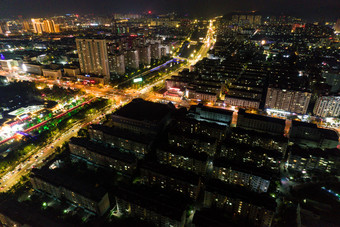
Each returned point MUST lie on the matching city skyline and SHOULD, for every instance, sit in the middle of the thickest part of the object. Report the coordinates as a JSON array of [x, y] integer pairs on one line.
[[315, 9]]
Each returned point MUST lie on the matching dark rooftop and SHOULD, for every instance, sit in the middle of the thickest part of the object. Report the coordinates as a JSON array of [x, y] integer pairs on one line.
[[61, 179], [262, 118], [210, 109], [212, 217], [122, 134], [141, 110]]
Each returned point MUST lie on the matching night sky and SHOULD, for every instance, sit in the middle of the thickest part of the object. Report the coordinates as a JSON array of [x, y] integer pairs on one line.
[[309, 9]]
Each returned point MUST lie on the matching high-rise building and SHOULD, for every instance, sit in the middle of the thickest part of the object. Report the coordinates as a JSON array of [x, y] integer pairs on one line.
[[48, 26], [3, 27], [117, 64], [145, 54], [155, 51], [93, 57], [26, 25], [38, 26], [247, 18], [337, 26], [292, 101], [132, 59], [327, 106], [43, 26]]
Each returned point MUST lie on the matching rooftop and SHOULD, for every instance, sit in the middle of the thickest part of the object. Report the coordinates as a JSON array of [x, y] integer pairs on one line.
[[60, 178], [141, 110], [122, 134], [262, 117]]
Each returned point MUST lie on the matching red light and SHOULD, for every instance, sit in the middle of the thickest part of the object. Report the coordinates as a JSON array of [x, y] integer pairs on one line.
[[149, 12]]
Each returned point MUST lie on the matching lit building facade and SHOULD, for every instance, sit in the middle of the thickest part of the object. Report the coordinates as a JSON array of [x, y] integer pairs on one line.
[[291, 101], [61, 186], [327, 106], [247, 206], [186, 160], [244, 177], [102, 156], [117, 64], [93, 57]]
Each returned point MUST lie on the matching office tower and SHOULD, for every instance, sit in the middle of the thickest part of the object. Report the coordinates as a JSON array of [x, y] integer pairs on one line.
[[93, 57]]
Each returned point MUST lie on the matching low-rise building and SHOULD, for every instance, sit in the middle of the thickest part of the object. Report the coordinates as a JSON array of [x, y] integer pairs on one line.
[[170, 178], [71, 71], [125, 141], [255, 156], [103, 156], [198, 143], [259, 139], [244, 205], [142, 117], [33, 68], [193, 126], [200, 95], [313, 159], [52, 74], [181, 158], [255, 179], [242, 102], [81, 193], [161, 209], [260, 123], [214, 115], [311, 135]]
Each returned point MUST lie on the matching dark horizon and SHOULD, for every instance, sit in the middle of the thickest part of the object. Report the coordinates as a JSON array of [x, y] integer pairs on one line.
[[307, 9]]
